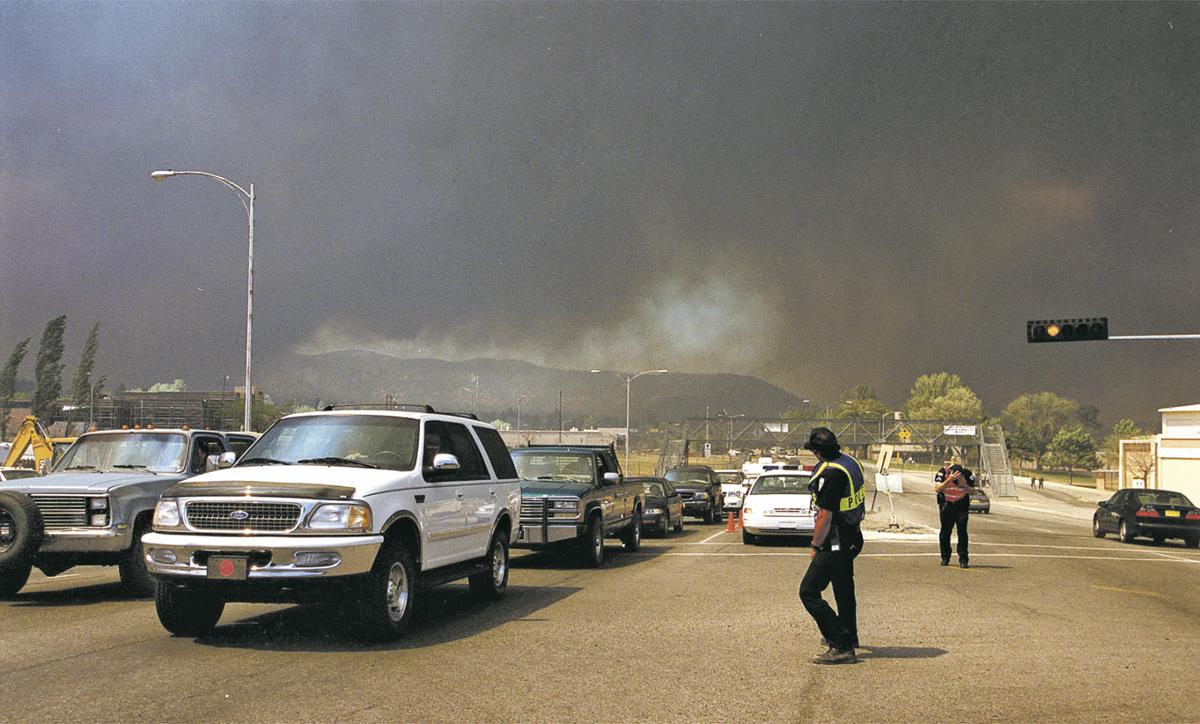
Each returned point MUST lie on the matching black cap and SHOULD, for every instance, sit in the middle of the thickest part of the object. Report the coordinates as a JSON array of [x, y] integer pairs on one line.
[[822, 441]]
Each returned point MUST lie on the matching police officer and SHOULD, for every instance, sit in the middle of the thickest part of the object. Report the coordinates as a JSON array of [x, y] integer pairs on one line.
[[954, 485], [837, 484]]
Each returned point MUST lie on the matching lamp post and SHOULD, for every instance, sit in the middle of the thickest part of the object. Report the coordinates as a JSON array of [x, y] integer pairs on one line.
[[519, 401], [247, 199], [91, 401], [628, 382]]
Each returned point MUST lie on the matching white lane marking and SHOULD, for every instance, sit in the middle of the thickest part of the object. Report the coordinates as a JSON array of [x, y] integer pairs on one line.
[[714, 535], [931, 555], [1174, 557]]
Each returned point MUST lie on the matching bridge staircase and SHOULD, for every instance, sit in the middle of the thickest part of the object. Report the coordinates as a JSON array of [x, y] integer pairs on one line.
[[672, 454], [993, 452]]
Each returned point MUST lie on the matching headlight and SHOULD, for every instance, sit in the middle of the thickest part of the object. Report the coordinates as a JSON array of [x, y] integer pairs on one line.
[[701, 496], [341, 516], [564, 505], [166, 514], [653, 511], [747, 511], [98, 512]]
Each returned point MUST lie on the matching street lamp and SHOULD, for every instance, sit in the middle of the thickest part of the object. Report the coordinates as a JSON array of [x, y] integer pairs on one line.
[[629, 381], [247, 199], [520, 399]]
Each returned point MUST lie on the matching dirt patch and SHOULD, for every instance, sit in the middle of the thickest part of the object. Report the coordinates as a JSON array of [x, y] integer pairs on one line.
[[880, 521]]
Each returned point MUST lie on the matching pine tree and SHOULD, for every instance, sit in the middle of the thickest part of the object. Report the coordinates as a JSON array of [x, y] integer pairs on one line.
[[8, 382], [47, 374], [81, 386]]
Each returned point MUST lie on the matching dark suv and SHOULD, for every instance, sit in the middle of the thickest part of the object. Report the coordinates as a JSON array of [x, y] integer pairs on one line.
[[701, 491]]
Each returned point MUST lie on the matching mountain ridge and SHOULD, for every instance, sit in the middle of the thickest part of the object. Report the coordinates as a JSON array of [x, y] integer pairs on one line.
[[588, 398]]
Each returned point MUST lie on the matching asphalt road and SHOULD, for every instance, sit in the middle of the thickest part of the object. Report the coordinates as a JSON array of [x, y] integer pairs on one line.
[[1049, 623]]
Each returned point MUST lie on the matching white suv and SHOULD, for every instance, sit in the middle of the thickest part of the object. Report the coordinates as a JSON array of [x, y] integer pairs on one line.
[[359, 506]]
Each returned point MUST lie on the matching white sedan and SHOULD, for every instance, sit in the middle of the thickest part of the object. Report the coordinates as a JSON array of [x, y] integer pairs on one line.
[[779, 504]]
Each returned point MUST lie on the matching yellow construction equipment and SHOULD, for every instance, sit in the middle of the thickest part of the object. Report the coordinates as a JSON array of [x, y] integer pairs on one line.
[[46, 449]]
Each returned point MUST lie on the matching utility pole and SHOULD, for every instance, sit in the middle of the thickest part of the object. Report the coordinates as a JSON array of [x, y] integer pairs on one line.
[[560, 417]]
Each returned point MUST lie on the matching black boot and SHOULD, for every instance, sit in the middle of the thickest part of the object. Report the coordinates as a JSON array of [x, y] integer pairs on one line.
[[836, 656], [962, 563]]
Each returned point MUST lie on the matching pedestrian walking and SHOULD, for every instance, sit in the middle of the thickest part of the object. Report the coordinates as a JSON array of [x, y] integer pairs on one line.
[[838, 489], [954, 485]]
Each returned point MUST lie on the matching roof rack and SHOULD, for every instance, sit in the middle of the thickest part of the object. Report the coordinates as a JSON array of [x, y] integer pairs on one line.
[[402, 406]]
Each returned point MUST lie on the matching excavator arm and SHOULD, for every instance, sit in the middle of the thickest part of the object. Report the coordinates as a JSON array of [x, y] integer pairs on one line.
[[31, 434]]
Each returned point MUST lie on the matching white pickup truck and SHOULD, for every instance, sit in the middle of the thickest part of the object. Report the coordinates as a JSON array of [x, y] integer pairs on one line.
[[359, 506]]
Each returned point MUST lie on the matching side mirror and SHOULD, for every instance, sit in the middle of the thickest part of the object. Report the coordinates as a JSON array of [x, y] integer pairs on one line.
[[219, 462], [612, 478], [445, 462]]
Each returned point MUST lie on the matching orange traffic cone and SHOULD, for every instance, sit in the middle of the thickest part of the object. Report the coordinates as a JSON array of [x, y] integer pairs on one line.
[[741, 522], [731, 523]]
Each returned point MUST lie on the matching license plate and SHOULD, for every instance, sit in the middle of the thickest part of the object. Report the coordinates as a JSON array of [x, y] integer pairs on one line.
[[1171, 513], [227, 568], [787, 524]]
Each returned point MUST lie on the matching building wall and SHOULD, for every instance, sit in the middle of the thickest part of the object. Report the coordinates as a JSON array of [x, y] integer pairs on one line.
[[1182, 475]]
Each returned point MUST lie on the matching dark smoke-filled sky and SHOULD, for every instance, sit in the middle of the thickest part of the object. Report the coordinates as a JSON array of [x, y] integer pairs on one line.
[[817, 194]]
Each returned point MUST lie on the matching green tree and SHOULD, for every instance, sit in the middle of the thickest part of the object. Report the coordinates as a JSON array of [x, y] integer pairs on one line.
[[861, 403], [47, 374], [1124, 429], [1072, 448], [83, 384], [1032, 420], [942, 396], [8, 382]]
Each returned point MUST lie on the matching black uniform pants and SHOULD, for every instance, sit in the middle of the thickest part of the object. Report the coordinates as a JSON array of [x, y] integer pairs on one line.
[[954, 516], [836, 567]]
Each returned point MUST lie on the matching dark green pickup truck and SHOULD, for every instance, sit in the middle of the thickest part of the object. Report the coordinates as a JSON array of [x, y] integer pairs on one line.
[[575, 495]]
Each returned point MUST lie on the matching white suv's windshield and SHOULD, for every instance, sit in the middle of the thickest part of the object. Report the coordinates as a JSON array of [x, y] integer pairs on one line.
[[368, 441], [158, 452]]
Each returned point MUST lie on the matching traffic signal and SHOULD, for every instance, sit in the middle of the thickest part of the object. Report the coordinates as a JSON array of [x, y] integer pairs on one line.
[[1088, 329]]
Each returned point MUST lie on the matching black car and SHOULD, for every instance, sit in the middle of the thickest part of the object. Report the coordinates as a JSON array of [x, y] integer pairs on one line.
[[1155, 514], [980, 502], [664, 508], [700, 489]]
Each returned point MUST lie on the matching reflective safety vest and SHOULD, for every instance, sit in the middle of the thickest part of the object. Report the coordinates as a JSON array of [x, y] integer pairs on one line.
[[853, 505]]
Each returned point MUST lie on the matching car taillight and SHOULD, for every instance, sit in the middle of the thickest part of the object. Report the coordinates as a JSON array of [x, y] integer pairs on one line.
[[1194, 515], [1146, 512]]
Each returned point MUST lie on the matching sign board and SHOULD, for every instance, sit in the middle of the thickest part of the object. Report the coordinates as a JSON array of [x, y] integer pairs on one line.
[[1139, 483], [905, 434], [889, 483], [885, 458], [968, 430], [708, 449]]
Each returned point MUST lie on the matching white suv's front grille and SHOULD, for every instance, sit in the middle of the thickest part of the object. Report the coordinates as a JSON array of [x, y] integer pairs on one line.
[[242, 515]]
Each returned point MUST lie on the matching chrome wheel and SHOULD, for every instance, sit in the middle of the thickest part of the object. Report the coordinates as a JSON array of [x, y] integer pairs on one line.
[[397, 592], [8, 531], [597, 541], [499, 564]]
